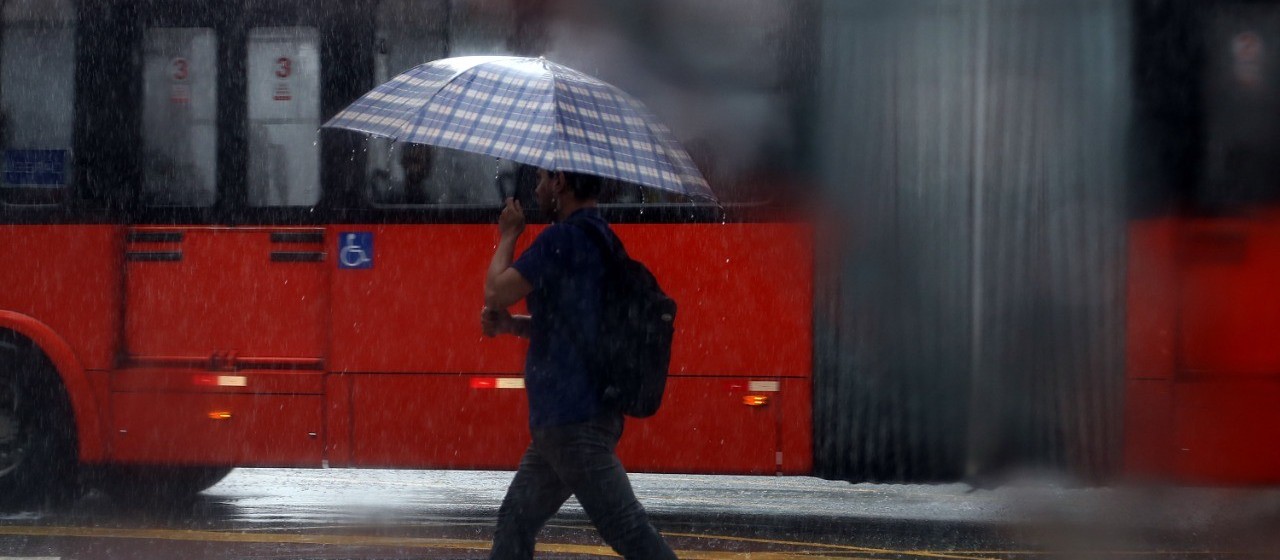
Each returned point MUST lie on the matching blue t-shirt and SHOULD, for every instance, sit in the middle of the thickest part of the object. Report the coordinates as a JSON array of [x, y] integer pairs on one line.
[[566, 270]]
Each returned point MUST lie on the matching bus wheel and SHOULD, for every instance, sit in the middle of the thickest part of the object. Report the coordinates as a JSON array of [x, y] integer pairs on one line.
[[158, 485], [38, 462]]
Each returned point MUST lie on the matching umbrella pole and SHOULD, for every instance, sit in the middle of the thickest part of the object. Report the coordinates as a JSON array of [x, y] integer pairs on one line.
[[500, 178]]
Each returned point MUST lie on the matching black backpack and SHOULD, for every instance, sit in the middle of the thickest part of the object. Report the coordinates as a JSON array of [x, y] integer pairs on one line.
[[637, 322]]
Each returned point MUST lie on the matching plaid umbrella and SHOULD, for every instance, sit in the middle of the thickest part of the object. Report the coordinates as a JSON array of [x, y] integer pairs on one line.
[[529, 110]]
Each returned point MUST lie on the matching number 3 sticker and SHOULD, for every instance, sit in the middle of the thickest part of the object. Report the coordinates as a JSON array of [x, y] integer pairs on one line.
[[180, 69], [284, 67]]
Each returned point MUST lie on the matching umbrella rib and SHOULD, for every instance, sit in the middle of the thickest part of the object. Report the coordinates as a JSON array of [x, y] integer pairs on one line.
[[557, 120], [594, 99], [526, 89], [634, 138]]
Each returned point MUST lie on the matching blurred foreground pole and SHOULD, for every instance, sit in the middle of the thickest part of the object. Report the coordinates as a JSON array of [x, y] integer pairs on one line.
[[971, 305]]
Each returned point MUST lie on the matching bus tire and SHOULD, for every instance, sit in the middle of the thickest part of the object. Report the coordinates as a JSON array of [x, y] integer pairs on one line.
[[158, 485], [39, 466]]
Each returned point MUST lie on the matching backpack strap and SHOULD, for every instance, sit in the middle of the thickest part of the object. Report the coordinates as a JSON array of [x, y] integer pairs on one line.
[[610, 258]]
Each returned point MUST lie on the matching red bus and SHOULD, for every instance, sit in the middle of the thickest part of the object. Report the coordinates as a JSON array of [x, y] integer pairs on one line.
[[1202, 383], [197, 279], [1204, 320]]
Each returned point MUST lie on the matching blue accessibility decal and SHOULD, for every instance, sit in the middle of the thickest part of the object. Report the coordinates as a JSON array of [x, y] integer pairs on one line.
[[355, 249], [44, 168]]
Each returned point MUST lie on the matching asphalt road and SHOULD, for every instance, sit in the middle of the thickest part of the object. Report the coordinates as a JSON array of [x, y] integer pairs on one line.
[[376, 514]]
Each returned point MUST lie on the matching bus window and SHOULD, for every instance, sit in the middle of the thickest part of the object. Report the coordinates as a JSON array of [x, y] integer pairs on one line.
[[1242, 113], [411, 32], [37, 99], [179, 128], [284, 116]]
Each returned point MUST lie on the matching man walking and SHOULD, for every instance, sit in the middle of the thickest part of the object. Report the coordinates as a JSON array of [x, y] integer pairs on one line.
[[573, 433]]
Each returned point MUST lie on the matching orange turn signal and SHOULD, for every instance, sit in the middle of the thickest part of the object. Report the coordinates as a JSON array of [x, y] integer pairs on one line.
[[220, 415], [755, 400]]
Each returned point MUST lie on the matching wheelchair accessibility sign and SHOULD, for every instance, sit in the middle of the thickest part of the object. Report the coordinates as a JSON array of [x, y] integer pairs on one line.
[[355, 249]]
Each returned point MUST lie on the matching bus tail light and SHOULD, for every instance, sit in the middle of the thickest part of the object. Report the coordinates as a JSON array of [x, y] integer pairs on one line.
[[497, 383], [755, 400], [207, 380]]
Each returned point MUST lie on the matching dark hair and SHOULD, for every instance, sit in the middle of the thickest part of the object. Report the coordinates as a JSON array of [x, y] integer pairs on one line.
[[584, 186]]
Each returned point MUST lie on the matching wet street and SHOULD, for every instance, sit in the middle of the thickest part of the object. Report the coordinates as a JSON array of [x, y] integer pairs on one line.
[[375, 514]]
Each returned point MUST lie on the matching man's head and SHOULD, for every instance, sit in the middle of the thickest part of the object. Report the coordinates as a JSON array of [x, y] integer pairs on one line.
[[558, 190]]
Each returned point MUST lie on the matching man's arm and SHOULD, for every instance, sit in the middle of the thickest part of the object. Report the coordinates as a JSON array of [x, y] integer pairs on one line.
[[520, 325], [494, 323], [503, 285]]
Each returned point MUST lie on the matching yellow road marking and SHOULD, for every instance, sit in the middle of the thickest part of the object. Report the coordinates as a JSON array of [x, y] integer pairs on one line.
[[221, 536], [455, 544], [965, 555], [1116, 552], [815, 550]]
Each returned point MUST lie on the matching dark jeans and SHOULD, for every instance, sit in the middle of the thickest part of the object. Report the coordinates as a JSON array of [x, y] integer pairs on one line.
[[578, 460]]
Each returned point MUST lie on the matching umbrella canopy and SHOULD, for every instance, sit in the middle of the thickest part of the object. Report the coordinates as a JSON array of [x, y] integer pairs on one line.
[[529, 110]]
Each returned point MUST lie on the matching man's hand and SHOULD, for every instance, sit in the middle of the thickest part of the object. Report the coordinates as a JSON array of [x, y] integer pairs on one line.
[[494, 322], [511, 222]]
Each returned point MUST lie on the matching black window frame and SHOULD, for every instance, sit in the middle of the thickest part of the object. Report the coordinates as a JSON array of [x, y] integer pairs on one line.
[[112, 131]]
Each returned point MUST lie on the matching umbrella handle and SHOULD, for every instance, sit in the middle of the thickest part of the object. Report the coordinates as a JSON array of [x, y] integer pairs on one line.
[[498, 178]]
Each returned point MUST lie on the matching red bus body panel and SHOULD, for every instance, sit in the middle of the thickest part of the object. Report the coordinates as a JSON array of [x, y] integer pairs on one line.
[[225, 294], [261, 429], [744, 293], [67, 277], [405, 333], [62, 290], [1204, 350], [232, 356]]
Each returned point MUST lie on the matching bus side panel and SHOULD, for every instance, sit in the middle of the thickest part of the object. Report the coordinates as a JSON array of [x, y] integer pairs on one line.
[[1203, 389], [406, 339], [1150, 348], [1227, 432], [1229, 301], [744, 291], [436, 421], [1228, 393], [67, 277], [795, 431], [1148, 428], [243, 417], [337, 419], [1152, 288], [745, 296], [405, 330], [451, 421], [705, 426], [245, 430], [416, 308], [227, 292]]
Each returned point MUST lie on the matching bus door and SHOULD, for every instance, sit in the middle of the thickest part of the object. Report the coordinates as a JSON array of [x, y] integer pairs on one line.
[[1227, 399], [226, 324], [425, 389]]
